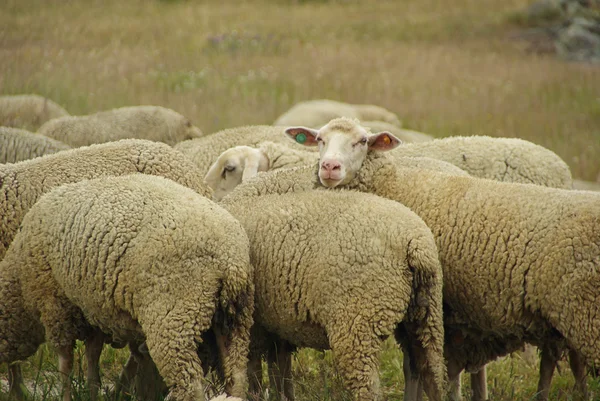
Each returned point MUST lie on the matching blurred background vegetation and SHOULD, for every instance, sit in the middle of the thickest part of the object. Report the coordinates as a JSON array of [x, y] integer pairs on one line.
[[460, 67]]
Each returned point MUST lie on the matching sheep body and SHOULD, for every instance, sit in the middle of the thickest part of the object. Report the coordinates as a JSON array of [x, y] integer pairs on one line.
[[18, 144], [405, 135], [496, 242], [500, 159], [23, 183], [330, 280], [143, 122], [154, 271], [316, 113], [28, 111]]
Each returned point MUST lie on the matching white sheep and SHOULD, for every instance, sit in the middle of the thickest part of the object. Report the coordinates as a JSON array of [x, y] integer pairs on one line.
[[162, 271], [316, 113], [520, 261], [342, 281], [142, 122], [23, 183], [501, 159], [28, 111], [18, 144], [204, 151], [241, 163]]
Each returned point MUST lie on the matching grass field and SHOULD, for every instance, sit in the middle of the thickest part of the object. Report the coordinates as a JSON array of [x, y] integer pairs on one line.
[[446, 67]]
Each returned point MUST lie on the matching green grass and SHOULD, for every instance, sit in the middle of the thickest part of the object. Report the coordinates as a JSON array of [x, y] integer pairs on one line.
[[315, 375], [447, 68]]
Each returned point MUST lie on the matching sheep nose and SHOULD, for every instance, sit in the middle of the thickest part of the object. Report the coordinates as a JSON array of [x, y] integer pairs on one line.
[[331, 165]]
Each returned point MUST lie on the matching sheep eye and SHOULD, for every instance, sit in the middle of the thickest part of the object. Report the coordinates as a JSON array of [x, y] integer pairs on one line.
[[361, 142], [229, 167], [188, 124]]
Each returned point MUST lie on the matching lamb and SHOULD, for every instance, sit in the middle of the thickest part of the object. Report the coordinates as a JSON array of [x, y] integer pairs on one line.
[[17, 145], [204, 151], [330, 280], [22, 184], [162, 271], [520, 261], [28, 111], [143, 122], [317, 113], [241, 163]]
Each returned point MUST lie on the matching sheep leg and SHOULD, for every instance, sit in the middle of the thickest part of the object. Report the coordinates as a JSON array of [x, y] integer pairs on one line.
[[128, 372], [454, 375], [479, 385], [233, 349], [171, 333], [411, 379], [547, 365], [579, 372], [255, 376], [65, 367], [280, 370], [356, 353], [15, 382], [93, 348]]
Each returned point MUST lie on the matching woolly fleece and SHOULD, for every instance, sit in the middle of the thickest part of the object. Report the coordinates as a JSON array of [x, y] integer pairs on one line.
[[163, 270], [154, 123], [330, 280], [28, 111], [17, 145]]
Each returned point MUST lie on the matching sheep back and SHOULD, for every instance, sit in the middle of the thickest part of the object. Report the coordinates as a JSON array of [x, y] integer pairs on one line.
[[17, 145], [143, 122], [28, 111]]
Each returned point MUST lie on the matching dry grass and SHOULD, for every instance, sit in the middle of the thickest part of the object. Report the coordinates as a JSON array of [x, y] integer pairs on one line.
[[447, 68]]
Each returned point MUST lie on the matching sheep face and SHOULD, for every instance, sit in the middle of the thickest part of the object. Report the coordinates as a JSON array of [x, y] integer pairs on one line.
[[233, 167], [343, 146]]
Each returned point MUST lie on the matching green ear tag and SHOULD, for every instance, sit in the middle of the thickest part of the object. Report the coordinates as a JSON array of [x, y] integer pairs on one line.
[[301, 138]]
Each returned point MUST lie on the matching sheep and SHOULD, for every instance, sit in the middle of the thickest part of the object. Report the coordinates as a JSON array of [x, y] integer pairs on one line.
[[501, 159], [317, 113], [28, 111], [22, 184], [162, 271], [17, 145], [405, 135], [496, 241], [342, 281], [240, 163], [204, 151], [143, 122]]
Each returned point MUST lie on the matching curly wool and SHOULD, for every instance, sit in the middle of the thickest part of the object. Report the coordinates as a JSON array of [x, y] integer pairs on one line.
[[163, 271], [17, 145], [21, 184], [28, 111], [519, 260], [330, 280], [317, 113], [154, 123], [500, 159]]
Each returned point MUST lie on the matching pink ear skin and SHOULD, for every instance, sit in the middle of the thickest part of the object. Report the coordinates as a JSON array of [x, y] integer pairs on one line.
[[302, 135], [383, 141]]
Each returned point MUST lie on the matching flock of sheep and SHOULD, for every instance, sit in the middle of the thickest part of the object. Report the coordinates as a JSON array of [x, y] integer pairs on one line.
[[212, 252]]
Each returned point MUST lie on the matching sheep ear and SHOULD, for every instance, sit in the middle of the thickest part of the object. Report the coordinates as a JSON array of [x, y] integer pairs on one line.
[[257, 161], [383, 142], [302, 135]]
